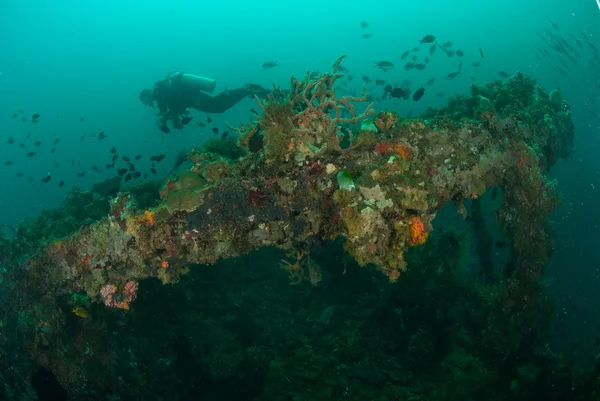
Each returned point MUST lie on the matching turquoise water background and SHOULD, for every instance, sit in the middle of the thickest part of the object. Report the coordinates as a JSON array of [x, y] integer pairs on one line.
[[69, 60]]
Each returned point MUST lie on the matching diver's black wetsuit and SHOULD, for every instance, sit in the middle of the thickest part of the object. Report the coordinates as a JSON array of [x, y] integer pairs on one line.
[[173, 98]]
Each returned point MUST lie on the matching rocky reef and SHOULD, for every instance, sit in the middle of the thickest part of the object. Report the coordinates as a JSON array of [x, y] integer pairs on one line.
[[312, 169]]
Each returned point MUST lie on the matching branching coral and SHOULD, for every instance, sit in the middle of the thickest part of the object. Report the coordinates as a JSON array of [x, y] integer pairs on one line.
[[307, 120]]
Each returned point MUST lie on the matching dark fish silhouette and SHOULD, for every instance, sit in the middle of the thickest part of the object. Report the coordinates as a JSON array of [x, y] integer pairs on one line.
[[164, 128], [427, 39], [61, 184], [364, 24], [46, 179], [101, 136], [384, 65], [186, 120], [215, 130], [138, 157], [269, 64], [418, 94]]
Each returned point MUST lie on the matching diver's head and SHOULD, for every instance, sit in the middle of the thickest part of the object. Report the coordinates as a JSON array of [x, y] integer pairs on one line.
[[147, 97]]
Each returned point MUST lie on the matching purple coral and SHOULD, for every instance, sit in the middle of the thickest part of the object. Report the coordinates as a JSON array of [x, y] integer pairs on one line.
[[122, 301]]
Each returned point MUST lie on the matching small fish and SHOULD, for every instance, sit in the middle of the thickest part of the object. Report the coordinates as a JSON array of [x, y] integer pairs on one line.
[[113, 150], [46, 179], [37, 143], [431, 81], [397, 93], [405, 55], [475, 64], [440, 95], [269, 64], [35, 116], [452, 75], [127, 159], [21, 145], [208, 120], [254, 112], [81, 312], [114, 158], [61, 184], [432, 49], [384, 65], [418, 94], [10, 140], [127, 177], [138, 157], [31, 154], [364, 24], [225, 134], [427, 39], [53, 150], [121, 172], [15, 115], [414, 58], [366, 35], [201, 125], [8, 163], [379, 82], [160, 158], [343, 69], [137, 174], [500, 244], [481, 53], [131, 167], [447, 45], [186, 120], [57, 140], [215, 130], [164, 128], [367, 79], [420, 66], [81, 120], [409, 66], [30, 179], [82, 138], [23, 119], [101, 136], [460, 53], [153, 170], [19, 175], [503, 74], [108, 166], [81, 175]]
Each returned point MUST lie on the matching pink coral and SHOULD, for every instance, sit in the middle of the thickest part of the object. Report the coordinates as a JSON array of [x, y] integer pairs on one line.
[[122, 301]]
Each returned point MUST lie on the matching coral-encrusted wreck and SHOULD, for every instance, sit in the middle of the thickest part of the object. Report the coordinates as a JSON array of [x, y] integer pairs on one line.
[[308, 176]]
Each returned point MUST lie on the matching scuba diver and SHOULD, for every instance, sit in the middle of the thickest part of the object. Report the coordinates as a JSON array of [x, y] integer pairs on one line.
[[179, 92]]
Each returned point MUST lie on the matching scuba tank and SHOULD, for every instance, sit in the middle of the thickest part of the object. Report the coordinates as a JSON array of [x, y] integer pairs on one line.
[[194, 81]]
